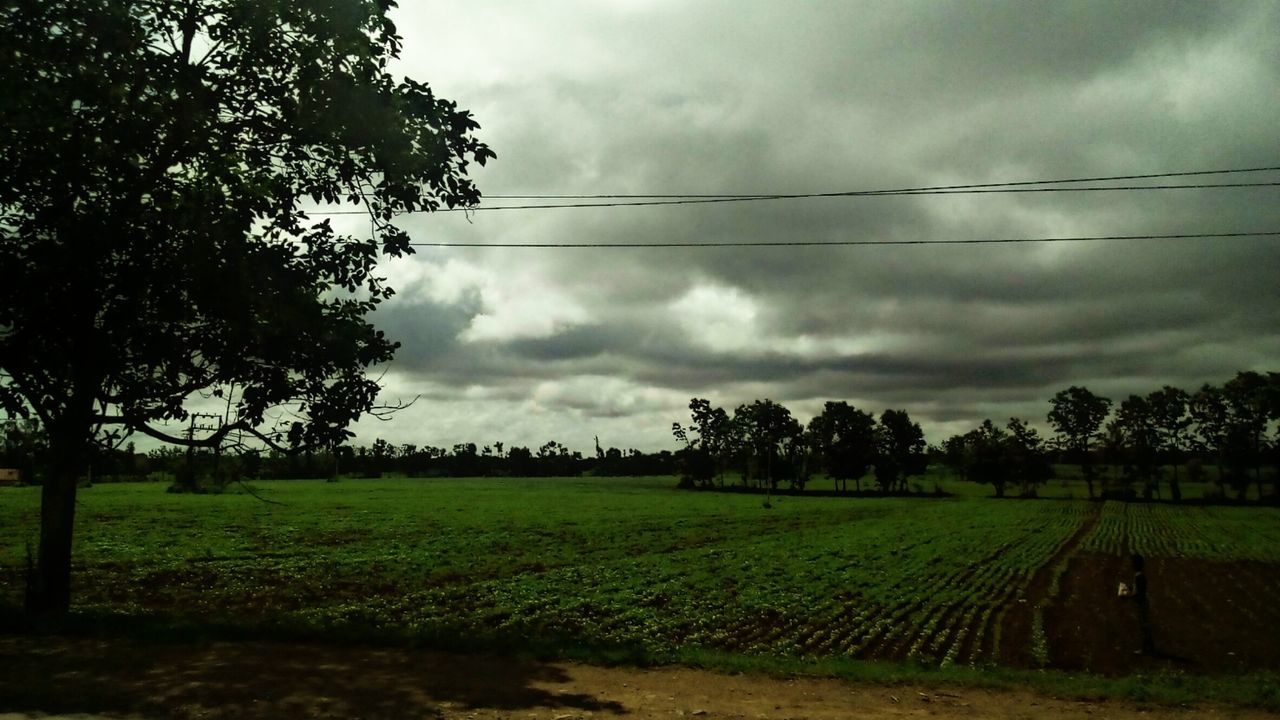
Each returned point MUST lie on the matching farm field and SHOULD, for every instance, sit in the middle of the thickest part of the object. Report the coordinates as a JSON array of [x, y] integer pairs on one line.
[[633, 565]]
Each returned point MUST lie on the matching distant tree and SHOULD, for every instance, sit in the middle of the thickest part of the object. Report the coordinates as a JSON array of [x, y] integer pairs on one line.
[[952, 454], [1250, 397], [1077, 416], [998, 456], [1028, 458], [1138, 434], [155, 160], [1219, 437], [697, 468], [769, 431], [900, 453], [845, 439], [344, 458], [707, 442], [520, 461], [715, 433], [24, 446], [982, 455], [1168, 410], [1231, 423], [381, 456]]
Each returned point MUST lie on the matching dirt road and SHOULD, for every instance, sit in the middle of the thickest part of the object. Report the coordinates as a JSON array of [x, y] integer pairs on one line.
[[86, 679]]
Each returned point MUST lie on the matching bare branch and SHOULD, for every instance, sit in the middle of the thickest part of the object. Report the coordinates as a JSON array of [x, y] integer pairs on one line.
[[386, 412]]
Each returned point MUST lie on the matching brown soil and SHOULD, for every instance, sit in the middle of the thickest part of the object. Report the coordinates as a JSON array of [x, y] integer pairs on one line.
[[1206, 617], [279, 681], [1017, 626]]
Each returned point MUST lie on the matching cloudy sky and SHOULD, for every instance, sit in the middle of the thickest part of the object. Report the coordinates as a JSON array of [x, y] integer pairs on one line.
[[730, 96]]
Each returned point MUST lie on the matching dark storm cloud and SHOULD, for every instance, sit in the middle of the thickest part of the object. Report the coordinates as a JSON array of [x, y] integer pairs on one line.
[[427, 330], [785, 97]]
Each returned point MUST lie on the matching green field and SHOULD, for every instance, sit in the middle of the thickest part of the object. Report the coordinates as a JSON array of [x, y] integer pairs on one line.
[[628, 564]]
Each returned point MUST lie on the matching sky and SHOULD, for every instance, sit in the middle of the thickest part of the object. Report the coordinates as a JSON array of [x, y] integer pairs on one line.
[[735, 96]]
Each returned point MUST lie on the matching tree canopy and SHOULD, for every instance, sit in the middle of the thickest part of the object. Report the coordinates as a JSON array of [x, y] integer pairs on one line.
[[845, 437], [1077, 416], [156, 165]]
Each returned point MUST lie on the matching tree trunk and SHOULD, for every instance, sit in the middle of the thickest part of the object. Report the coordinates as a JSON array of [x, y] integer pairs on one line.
[[49, 590]]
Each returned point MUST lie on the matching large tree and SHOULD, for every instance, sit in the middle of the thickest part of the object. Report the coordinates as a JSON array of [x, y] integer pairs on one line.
[[1029, 464], [1136, 427], [1232, 421], [1251, 398], [705, 453], [1077, 416], [982, 456], [771, 436], [155, 160], [901, 450], [845, 439], [1168, 407]]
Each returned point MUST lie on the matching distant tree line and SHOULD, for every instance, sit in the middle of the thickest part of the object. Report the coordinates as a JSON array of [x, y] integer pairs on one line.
[[1146, 446], [763, 445], [23, 446], [551, 459], [1149, 442]]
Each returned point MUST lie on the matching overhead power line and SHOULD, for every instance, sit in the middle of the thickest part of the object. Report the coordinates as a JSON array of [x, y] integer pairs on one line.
[[867, 193], [1023, 186], [846, 243], [751, 196]]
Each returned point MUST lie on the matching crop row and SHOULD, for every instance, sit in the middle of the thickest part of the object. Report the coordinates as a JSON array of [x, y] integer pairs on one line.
[[1210, 533], [811, 592]]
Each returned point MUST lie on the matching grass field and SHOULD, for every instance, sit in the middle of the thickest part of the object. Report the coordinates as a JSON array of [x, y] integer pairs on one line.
[[636, 566]]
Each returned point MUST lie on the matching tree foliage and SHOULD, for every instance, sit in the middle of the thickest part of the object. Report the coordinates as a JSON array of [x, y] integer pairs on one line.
[[999, 456], [1169, 416], [705, 452], [901, 450], [156, 162], [845, 438], [1077, 416], [773, 440], [1232, 423]]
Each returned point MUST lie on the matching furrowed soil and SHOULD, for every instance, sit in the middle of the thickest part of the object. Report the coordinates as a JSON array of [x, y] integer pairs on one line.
[[1018, 625], [1208, 617], [91, 679]]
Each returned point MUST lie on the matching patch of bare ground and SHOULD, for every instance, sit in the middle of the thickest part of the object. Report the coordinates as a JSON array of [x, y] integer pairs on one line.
[[96, 678], [1207, 617]]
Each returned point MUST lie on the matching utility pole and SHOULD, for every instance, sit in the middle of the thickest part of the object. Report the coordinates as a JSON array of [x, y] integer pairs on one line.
[[193, 427]]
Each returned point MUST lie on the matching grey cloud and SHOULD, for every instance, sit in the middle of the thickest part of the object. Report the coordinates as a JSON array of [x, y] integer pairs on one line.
[[765, 96], [426, 330]]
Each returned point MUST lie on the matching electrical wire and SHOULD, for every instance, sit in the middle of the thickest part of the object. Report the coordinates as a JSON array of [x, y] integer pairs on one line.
[[1147, 176], [848, 243], [1024, 186]]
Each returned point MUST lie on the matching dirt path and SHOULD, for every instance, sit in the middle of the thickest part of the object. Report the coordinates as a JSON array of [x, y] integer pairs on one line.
[[91, 679]]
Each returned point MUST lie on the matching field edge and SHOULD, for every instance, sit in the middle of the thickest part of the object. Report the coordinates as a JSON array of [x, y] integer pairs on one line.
[[1259, 690]]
